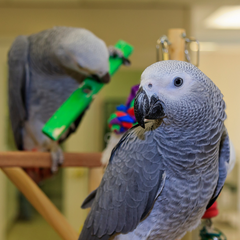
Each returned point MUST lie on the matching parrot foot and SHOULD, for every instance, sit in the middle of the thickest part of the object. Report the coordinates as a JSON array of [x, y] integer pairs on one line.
[[57, 158], [115, 52]]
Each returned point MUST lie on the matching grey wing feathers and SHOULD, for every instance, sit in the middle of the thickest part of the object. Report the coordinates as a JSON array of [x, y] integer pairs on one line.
[[87, 203], [130, 185], [17, 60], [224, 157]]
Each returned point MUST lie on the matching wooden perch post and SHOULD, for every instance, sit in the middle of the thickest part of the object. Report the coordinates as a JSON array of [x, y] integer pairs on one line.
[[40, 201], [177, 46], [43, 159], [10, 162]]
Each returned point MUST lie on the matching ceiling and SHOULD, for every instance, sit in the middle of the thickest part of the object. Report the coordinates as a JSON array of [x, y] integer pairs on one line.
[[135, 2]]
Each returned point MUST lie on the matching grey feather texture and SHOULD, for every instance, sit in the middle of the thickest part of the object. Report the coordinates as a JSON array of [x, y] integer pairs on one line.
[[17, 60], [44, 69], [160, 180]]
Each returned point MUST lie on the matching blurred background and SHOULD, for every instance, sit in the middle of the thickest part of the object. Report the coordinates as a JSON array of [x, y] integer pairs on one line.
[[215, 23]]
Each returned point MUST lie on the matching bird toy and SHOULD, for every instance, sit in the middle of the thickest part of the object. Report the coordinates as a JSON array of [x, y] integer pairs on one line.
[[124, 118], [81, 98], [210, 233]]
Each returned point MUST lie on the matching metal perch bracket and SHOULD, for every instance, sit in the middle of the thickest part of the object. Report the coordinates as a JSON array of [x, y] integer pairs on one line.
[[163, 44]]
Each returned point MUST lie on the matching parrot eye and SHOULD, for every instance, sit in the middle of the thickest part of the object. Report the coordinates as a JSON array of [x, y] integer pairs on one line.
[[150, 85], [178, 81]]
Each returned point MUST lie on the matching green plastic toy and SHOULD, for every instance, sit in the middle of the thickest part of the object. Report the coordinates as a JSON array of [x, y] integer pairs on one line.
[[208, 232], [81, 98], [214, 235]]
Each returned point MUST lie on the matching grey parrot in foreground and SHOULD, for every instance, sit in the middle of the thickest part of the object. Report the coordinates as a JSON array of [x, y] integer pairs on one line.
[[164, 172], [44, 69]]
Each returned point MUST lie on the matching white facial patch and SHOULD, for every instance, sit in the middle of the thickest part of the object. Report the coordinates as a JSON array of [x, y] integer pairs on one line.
[[167, 84]]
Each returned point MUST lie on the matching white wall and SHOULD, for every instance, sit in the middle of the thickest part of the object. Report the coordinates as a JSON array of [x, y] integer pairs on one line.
[[6, 215], [139, 26]]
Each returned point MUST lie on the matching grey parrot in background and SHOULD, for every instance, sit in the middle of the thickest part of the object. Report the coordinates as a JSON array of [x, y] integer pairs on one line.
[[44, 69], [164, 172]]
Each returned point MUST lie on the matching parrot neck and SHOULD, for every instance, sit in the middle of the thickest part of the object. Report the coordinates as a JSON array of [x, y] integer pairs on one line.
[[189, 150]]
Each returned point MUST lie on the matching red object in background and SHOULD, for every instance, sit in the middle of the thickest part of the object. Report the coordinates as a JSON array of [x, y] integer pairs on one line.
[[38, 174], [211, 212], [131, 111], [127, 125], [121, 114]]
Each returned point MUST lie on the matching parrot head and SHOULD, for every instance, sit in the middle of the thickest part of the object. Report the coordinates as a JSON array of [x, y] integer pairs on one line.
[[85, 53], [177, 91]]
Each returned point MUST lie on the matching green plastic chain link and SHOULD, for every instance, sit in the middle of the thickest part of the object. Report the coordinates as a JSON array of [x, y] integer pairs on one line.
[[81, 98], [215, 235]]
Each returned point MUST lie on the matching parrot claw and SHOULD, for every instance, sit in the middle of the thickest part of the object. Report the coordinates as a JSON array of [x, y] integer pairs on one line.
[[57, 159], [126, 61], [115, 52]]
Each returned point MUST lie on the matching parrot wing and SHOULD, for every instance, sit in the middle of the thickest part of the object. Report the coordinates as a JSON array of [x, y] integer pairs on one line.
[[224, 157], [17, 78], [130, 185]]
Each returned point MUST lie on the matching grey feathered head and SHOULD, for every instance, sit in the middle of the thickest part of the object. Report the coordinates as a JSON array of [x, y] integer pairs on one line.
[[82, 51], [178, 91]]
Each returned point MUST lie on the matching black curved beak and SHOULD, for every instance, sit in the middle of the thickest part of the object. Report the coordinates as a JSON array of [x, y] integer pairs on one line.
[[105, 79], [145, 109]]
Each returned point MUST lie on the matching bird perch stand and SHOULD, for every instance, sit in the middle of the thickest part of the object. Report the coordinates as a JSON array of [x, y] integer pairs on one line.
[[43, 159], [10, 162], [177, 46], [40, 201]]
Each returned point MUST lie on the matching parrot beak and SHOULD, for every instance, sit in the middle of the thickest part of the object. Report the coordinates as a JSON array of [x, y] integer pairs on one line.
[[145, 109], [105, 79]]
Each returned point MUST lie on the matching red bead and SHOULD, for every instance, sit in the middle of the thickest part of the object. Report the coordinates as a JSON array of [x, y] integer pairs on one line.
[[211, 212]]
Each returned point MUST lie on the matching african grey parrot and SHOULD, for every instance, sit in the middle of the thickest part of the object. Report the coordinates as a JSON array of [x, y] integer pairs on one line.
[[44, 69], [164, 172]]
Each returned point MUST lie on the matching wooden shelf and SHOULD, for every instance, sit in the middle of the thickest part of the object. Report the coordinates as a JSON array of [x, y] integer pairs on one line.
[[43, 159]]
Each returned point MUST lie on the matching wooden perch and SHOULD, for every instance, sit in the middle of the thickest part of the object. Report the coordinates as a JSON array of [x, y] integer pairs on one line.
[[177, 47], [40, 201], [43, 159], [10, 162]]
